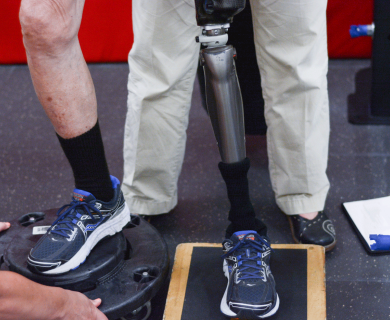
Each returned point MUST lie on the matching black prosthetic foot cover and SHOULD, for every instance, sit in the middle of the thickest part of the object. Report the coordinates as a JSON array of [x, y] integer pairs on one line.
[[258, 226], [241, 214]]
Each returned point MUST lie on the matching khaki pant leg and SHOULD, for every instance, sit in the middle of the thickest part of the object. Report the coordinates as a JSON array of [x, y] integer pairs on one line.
[[291, 46], [163, 63]]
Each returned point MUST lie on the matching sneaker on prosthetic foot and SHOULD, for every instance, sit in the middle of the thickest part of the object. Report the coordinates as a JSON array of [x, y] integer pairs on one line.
[[250, 292], [79, 227]]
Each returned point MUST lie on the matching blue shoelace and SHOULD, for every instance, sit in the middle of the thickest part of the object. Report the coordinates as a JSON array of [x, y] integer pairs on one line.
[[245, 263], [72, 213]]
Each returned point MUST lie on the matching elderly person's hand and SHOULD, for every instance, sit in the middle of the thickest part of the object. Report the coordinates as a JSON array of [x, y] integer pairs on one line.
[[22, 299], [4, 226]]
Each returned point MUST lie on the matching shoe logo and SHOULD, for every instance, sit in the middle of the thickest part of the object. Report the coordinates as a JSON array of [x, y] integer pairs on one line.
[[267, 271], [95, 216], [72, 235], [236, 280], [247, 236], [91, 227], [227, 246], [250, 306], [98, 205], [78, 196], [81, 226], [328, 227], [264, 254], [43, 264], [232, 258]]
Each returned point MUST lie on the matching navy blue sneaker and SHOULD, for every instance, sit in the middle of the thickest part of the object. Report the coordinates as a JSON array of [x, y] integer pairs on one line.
[[79, 227], [250, 293]]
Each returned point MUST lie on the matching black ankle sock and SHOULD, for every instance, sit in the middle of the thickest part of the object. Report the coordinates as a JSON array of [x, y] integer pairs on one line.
[[259, 227], [241, 214], [86, 156]]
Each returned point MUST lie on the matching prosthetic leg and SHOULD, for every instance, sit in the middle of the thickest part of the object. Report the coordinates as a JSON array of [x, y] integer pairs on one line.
[[223, 93], [224, 104], [225, 107]]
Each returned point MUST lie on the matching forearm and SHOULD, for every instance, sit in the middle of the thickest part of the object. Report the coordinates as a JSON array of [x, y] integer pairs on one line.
[[22, 299]]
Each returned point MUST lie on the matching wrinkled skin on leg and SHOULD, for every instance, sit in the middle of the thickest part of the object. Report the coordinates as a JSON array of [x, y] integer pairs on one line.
[[60, 75]]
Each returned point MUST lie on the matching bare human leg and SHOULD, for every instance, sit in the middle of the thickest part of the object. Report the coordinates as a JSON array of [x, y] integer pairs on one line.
[[65, 89], [60, 75], [310, 215]]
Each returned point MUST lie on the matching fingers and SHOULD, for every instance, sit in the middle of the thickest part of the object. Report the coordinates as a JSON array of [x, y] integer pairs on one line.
[[4, 226], [97, 302], [99, 315]]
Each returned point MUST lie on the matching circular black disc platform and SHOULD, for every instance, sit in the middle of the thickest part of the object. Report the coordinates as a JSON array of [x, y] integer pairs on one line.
[[125, 270]]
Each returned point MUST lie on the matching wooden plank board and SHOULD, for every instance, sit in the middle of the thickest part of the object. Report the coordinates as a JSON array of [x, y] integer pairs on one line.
[[178, 289]]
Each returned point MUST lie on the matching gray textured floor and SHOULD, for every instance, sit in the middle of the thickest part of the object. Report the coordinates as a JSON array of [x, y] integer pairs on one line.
[[35, 176]]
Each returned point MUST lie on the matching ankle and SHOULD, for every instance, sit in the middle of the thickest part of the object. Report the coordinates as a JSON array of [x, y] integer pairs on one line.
[[309, 216]]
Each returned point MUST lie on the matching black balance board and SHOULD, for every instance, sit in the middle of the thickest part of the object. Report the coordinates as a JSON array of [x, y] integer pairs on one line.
[[198, 283], [125, 270]]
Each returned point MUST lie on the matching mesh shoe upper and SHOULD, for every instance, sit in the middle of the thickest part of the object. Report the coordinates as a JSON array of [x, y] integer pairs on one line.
[[251, 283], [73, 227]]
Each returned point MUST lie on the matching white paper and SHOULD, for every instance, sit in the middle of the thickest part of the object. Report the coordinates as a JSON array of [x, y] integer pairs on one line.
[[370, 216]]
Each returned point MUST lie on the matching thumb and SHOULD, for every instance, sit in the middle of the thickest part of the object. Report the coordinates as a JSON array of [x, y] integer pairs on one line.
[[97, 302], [4, 225]]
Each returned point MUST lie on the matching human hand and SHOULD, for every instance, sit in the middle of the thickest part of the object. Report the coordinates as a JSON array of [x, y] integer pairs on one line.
[[78, 306], [4, 226]]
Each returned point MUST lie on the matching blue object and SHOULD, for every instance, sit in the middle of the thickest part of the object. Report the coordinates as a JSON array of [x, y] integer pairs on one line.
[[361, 30], [115, 182], [79, 227], [382, 242], [251, 285]]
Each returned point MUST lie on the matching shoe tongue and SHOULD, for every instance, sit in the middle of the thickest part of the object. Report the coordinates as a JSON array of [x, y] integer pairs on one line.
[[246, 234], [78, 195], [83, 196], [247, 251]]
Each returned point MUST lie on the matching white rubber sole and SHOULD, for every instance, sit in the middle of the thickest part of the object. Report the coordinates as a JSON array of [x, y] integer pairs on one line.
[[225, 308], [109, 228]]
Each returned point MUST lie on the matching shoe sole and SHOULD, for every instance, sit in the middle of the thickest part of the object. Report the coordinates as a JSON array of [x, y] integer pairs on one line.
[[229, 313], [109, 228], [327, 247]]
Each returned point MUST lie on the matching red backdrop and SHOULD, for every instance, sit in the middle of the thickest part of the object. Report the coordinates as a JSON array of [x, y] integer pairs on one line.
[[106, 30]]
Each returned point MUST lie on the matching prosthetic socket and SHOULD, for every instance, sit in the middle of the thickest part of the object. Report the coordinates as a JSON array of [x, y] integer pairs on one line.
[[223, 95]]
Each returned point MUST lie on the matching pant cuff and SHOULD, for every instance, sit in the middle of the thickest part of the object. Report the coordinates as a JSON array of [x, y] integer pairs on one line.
[[302, 203], [150, 207]]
